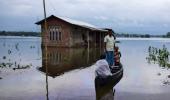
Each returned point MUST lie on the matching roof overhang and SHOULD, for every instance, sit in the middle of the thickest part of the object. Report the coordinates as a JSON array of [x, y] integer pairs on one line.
[[74, 22]]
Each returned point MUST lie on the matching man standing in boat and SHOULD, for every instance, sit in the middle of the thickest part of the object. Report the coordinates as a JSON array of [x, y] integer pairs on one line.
[[109, 43]]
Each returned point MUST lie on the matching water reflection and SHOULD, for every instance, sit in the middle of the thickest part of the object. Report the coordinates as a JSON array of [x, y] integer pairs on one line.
[[61, 60], [159, 55]]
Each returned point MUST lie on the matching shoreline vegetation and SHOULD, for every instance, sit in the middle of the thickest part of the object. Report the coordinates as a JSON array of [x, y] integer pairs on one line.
[[127, 35], [19, 33]]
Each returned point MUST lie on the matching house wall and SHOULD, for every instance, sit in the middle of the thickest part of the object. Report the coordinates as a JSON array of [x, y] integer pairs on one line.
[[71, 35], [60, 60], [78, 36], [63, 27]]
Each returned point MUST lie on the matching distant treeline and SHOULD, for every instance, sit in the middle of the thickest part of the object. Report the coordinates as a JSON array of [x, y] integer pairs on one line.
[[12, 33], [142, 35], [168, 34], [133, 35], [38, 34]]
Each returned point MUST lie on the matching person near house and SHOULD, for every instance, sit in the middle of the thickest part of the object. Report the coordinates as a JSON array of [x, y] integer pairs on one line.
[[109, 43]]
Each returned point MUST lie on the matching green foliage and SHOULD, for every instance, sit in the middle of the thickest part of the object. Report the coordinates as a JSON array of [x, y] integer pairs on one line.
[[159, 55]]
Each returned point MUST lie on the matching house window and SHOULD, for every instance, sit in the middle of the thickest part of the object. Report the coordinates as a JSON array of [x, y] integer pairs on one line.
[[60, 36], [50, 35], [55, 33]]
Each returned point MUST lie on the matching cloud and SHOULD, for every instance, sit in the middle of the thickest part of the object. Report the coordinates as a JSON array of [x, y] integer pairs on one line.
[[137, 16]]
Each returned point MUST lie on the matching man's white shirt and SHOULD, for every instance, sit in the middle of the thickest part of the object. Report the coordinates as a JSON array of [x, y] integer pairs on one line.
[[110, 41]]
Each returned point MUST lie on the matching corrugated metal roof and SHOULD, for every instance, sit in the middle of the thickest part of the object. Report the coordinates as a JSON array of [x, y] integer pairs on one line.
[[76, 22]]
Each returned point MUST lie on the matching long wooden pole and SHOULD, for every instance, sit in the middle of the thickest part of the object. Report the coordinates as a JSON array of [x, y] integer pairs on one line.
[[45, 24], [45, 37], [88, 39]]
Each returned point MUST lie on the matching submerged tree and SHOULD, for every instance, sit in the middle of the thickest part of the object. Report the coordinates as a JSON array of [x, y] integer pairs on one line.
[[159, 55]]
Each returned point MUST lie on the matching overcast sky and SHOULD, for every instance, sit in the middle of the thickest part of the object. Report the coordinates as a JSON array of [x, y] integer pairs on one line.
[[132, 16]]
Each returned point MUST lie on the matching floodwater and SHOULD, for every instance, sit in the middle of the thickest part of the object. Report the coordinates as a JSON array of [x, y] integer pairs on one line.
[[70, 72]]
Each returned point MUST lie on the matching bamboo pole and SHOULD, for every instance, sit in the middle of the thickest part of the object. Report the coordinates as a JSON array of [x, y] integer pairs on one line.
[[100, 40], [88, 46], [95, 39], [88, 39], [46, 59]]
